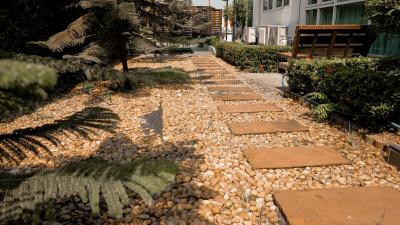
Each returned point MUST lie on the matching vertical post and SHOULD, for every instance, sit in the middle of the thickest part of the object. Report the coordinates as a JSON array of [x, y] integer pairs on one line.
[[234, 21], [226, 22]]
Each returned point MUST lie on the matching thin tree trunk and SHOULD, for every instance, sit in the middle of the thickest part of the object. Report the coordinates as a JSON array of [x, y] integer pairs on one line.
[[124, 53]]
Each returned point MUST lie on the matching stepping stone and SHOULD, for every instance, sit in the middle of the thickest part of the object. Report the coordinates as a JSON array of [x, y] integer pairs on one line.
[[264, 127], [213, 77], [293, 157], [229, 89], [219, 82], [340, 206], [248, 108], [237, 97]]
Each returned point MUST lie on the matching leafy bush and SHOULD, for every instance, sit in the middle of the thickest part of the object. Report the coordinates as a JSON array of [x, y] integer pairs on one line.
[[254, 58], [384, 15], [21, 83], [367, 88]]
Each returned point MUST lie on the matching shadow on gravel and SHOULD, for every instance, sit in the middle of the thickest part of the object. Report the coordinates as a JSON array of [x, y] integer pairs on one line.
[[15, 146]]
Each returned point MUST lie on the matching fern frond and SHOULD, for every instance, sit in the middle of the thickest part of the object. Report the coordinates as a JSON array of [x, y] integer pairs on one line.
[[92, 53], [127, 12], [108, 4], [322, 111], [87, 179], [317, 96], [74, 35]]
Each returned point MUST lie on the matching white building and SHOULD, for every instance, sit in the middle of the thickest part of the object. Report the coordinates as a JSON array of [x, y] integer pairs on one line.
[[294, 12]]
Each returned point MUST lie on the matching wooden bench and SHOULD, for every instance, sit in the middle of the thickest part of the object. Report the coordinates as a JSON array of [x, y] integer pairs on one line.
[[340, 41]]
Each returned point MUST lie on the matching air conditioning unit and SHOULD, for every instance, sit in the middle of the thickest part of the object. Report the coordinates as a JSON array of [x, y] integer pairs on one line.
[[274, 35], [249, 35], [262, 35]]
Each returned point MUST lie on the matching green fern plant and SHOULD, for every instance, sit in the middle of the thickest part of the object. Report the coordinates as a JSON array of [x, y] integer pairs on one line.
[[322, 111], [89, 179]]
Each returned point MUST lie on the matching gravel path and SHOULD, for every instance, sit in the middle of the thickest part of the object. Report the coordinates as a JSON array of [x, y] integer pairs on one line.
[[215, 184]]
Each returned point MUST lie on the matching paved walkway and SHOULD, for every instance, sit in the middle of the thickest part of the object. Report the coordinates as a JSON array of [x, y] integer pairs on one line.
[[327, 206]]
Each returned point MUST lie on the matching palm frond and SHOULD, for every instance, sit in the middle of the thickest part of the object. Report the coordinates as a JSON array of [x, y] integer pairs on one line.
[[15, 146], [74, 35], [87, 179]]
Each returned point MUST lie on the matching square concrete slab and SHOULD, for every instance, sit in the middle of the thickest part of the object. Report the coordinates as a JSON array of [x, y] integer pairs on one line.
[[249, 108], [344, 206], [237, 97], [229, 89], [293, 157], [221, 82], [264, 127]]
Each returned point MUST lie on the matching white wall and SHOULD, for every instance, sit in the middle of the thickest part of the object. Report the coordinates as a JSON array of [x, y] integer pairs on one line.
[[283, 16]]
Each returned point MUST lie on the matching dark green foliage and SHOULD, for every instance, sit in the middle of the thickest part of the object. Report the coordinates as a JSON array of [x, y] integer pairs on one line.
[[15, 145], [384, 15], [22, 21], [87, 179], [365, 88], [254, 58], [119, 80], [22, 83], [151, 77]]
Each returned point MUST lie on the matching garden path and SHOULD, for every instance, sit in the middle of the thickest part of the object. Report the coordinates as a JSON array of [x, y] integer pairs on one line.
[[329, 206]]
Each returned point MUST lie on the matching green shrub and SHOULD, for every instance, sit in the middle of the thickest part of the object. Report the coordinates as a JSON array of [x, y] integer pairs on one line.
[[23, 83], [367, 88], [214, 41], [253, 58], [304, 75]]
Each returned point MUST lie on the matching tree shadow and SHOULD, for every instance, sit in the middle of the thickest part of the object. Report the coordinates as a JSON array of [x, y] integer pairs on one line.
[[16, 146]]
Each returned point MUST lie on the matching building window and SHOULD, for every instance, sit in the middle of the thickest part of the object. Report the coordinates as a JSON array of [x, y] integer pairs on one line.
[[311, 17], [286, 2], [310, 2], [265, 4], [351, 14], [325, 15], [280, 3]]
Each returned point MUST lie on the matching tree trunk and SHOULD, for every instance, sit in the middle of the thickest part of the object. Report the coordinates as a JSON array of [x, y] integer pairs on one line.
[[124, 53]]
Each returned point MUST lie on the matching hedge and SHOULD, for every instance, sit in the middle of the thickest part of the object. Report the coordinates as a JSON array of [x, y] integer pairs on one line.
[[253, 58], [367, 88]]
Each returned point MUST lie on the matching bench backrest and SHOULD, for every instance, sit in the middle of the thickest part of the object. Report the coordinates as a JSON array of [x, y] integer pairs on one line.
[[332, 40]]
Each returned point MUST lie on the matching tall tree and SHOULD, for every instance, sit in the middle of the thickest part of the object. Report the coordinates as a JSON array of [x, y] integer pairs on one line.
[[241, 8]]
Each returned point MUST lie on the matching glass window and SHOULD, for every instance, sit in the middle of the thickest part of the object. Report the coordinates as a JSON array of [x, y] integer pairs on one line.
[[351, 14], [311, 17], [325, 15], [310, 2], [286, 2], [279, 3], [385, 44], [265, 4]]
